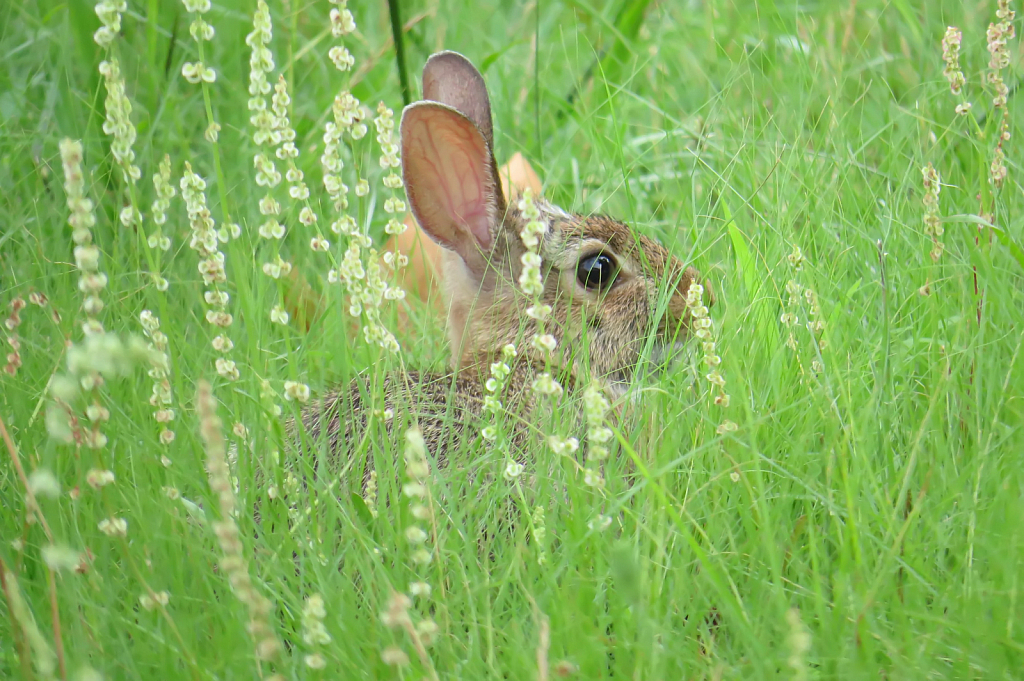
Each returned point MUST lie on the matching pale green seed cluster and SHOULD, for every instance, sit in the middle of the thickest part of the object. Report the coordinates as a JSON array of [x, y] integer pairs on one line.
[[109, 13], [266, 135], [314, 633], [342, 24], [398, 615], [101, 356], [531, 234], [704, 330], [790, 317], [394, 205], [494, 386], [998, 34], [118, 123], [951, 57], [359, 268], [233, 563], [12, 323], [532, 285], [59, 557], [417, 473], [544, 385], [160, 371], [345, 110], [87, 255], [152, 601], [157, 241], [802, 301], [294, 390], [932, 223], [288, 152], [205, 241], [298, 191], [165, 191], [76, 415], [799, 643], [261, 63], [197, 72], [494, 432], [799, 297], [595, 408], [421, 634], [539, 530]]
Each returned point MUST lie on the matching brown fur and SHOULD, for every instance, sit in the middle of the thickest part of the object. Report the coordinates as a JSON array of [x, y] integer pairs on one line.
[[448, 409], [448, 406]]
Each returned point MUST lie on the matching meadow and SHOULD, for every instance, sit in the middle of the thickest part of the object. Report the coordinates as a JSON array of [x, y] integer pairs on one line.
[[852, 509]]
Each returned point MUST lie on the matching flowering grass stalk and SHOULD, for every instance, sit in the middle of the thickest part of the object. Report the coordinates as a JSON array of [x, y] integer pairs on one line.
[[104, 352], [416, 489], [997, 127], [205, 242], [201, 32], [202, 74], [157, 241], [358, 267], [266, 135], [704, 331], [999, 33], [394, 206], [595, 409], [423, 632], [314, 633], [77, 414], [932, 224], [494, 432], [951, 57], [802, 302], [160, 371], [274, 230], [11, 324], [544, 385], [233, 562], [87, 255], [118, 123]]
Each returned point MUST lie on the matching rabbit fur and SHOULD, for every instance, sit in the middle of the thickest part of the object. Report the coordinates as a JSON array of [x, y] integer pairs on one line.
[[454, 191]]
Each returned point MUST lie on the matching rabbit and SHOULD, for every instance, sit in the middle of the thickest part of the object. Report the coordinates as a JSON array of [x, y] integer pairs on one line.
[[600, 277]]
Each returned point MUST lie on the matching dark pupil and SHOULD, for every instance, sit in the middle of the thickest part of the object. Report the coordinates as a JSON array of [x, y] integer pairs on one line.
[[596, 272]]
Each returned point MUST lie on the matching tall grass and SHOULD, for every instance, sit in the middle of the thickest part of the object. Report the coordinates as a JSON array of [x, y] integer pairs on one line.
[[861, 519]]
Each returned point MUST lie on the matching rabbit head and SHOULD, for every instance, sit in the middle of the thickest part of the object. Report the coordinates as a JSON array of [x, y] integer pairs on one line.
[[602, 280]]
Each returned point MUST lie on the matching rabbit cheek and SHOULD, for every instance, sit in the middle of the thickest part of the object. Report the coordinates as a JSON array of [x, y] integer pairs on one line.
[[625, 323]]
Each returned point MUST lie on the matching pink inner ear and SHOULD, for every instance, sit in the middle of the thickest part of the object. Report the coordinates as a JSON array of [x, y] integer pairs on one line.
[[456, 157]]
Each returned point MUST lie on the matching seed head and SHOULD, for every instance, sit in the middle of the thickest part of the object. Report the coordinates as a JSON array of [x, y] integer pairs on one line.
[[951, 57]]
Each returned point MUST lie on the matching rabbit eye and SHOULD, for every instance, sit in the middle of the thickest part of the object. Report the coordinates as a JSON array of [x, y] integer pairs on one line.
[[596, 272]]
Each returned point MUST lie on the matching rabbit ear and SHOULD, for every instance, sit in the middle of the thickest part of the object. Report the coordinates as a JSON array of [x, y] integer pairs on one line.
[[451, 182], [450, 78]]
